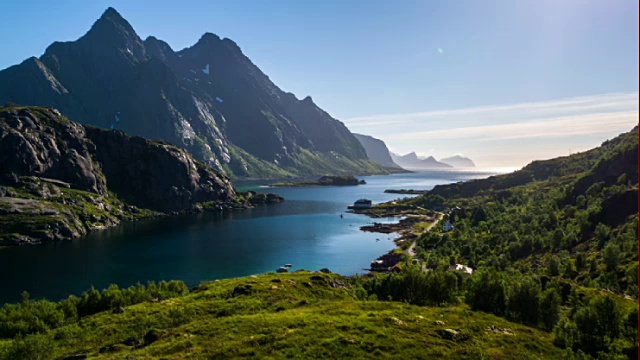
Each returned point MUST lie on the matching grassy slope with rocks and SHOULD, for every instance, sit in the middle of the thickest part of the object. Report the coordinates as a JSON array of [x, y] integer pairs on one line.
[[300, 315]]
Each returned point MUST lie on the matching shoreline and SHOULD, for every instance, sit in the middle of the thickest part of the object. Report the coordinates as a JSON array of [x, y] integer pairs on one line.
[[405, 228], [251, 200]]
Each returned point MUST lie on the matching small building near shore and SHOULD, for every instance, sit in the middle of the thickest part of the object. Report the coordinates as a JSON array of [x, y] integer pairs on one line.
[[362, 204]]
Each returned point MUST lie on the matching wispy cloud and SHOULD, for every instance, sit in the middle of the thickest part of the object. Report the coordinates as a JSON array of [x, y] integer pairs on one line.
[[548, 128], [512, 112], [538, 129]]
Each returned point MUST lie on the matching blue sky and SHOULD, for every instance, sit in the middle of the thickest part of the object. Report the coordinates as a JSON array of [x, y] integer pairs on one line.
[[413, 73]]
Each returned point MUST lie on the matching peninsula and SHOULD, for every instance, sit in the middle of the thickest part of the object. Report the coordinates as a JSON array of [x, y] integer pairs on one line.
[[323, 181]]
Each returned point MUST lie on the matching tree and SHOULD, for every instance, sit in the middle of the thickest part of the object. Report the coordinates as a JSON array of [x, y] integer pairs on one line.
[[553, 267], [611, 255], [524, 301], [487, 292], [602, 233], [598, 324], [550, 302]]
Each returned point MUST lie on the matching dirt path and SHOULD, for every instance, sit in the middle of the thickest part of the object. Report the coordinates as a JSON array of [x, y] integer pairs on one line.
[[411, 250]]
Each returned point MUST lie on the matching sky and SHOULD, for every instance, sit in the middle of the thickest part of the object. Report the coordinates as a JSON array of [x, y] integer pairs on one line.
[[504, 82]]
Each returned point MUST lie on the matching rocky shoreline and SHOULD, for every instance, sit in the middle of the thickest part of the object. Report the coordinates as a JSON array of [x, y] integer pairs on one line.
[[405, 228], [60, 179]]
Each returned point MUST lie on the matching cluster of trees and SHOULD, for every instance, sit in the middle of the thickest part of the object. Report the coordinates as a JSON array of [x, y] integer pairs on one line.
[[589, 324], [38, 316], [414, 287], [600, 327], [537, 235]]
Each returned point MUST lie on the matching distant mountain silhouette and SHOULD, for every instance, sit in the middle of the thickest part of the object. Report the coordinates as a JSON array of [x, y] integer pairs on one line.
[[377, 151], [209, 99], [458, 161], [411, 161]]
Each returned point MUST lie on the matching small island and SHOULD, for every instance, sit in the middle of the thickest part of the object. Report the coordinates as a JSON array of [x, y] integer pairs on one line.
[[407, 192], [323, 181]]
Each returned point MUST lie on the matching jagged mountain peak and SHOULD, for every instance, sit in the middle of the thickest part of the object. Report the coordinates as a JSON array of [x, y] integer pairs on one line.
[[208, 98], [112, 20], [412, 155], [112, 30], [112, 14], [208, 38]]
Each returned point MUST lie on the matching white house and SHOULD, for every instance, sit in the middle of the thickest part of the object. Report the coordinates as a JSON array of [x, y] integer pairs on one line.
[[460, 267]]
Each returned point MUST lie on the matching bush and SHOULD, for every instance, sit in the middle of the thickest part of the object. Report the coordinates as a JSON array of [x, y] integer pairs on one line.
[[30, 317], [32, 347]]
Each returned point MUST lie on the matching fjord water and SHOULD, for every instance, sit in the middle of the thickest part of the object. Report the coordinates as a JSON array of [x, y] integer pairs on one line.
[[306, 230]]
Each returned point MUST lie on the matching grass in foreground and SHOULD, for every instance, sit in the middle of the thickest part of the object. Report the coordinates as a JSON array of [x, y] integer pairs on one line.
[[295, 315]]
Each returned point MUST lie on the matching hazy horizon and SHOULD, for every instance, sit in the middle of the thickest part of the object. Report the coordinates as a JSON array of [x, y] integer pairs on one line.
[[502, 83]]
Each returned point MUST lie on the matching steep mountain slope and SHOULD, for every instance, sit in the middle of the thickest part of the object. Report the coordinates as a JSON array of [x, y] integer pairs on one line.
[[411, 161], [59, 179], [377, 151], [458, 161], [209, 99]]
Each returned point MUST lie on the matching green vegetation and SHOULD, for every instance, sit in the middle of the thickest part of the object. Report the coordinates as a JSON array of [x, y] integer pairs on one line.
[[41, 210], [303, 163], [300, 315], [323, 181], [554, 246], [554, 253]]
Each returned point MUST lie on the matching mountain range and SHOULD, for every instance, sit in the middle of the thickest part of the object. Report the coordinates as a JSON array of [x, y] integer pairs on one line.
[[412, 161], [208, 98], [458, 161]]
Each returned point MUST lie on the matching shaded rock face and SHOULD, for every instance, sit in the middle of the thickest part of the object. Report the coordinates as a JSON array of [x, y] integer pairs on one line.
[[37, 143], [377, 151], [156, 175], [153, 175], [209, 99]]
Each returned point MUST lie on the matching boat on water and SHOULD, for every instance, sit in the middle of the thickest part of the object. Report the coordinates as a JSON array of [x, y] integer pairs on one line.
[[282, 269], [288, 265]]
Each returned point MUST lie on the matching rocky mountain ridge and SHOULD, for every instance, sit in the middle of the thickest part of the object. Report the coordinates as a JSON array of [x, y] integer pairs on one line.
[[209, 99], [411, 161]]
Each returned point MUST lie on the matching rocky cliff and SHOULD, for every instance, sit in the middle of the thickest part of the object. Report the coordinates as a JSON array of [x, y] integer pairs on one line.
[[209, 99], [377, 151], [60, 179]]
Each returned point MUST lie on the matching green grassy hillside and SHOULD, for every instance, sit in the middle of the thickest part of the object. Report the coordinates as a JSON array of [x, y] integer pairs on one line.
[[297, 315], [554, 245]]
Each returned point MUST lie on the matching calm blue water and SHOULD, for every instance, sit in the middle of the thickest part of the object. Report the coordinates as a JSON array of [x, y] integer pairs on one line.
[[306, 230]]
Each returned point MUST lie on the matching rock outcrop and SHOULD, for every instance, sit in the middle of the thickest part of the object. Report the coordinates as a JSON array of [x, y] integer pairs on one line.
[[60, 179]]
